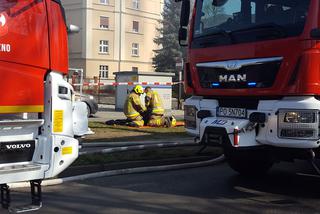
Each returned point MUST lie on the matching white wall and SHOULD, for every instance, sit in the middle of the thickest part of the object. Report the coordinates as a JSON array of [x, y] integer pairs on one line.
[[165, 92]]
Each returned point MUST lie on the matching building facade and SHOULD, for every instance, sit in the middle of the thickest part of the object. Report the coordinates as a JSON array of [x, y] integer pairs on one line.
[[115, 35]]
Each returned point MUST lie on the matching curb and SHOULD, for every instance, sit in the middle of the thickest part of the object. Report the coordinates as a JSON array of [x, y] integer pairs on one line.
[[58, 181], [138, 147], [119, 144]]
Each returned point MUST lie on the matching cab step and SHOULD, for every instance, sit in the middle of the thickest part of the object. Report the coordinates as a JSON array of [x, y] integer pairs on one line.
[[23, 209], [36, 198], [19, 168]]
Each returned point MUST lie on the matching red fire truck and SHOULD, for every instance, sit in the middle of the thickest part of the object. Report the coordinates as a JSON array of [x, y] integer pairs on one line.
[[38, 117], [253, 71]]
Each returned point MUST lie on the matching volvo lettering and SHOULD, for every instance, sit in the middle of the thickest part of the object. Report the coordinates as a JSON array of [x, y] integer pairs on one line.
[[18, 146]]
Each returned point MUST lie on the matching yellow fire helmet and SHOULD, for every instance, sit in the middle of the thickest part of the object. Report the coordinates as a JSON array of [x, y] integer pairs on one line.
[[138, 89], [173, 121]]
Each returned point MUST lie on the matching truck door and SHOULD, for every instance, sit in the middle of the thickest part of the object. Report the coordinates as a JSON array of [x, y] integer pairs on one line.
[[24, 55]]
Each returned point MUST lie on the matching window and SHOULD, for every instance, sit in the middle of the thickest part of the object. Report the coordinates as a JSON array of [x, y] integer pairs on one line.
[[136, 4], [104, 22], [135, 69], [135, 49], [135, 26], [104, 1], [103, 71], [242, 21], [104, 46]]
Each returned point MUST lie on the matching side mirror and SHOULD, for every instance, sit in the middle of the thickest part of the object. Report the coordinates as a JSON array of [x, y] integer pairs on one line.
[[184, 22], [71, 29], [185, 13], [183, 35], [315, 33]]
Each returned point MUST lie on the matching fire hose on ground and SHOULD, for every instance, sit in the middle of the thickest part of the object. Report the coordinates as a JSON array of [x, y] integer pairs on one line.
[[127, 171]]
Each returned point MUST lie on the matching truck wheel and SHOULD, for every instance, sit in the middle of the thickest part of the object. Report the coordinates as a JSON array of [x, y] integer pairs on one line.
[[249, 162], [88, 110]]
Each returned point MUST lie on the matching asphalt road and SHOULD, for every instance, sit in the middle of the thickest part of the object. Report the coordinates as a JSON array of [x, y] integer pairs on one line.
[[215, 189]]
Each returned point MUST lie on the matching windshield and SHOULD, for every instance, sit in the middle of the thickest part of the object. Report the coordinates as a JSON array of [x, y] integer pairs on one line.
[[6, 4], [236, 21]]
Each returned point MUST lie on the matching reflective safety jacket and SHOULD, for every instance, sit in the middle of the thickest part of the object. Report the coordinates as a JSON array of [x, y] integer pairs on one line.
[[133, 106], [153, 102]]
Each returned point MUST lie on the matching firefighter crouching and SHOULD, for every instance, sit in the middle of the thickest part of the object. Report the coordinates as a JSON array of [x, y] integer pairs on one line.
[[133, 108], [155, 111]]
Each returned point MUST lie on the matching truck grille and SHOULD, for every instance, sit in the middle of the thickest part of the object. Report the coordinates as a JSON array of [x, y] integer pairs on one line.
[[237, 74]]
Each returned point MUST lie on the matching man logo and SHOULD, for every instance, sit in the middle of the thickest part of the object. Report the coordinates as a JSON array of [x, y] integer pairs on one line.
[[232, 65]]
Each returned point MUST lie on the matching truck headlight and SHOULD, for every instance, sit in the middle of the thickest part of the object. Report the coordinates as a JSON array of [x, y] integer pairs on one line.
[[298, 124], [299, 117], [190, 120]]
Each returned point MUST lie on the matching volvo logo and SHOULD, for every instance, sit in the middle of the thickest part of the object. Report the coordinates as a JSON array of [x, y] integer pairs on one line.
[[233, 78], [18, 146]]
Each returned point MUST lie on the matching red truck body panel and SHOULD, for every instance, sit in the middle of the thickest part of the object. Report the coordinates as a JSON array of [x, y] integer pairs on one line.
[[33, 41], [58, 38], [301, 62]]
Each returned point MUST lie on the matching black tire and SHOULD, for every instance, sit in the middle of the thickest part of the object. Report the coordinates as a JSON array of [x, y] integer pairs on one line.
[[255, 162], [89, 110]]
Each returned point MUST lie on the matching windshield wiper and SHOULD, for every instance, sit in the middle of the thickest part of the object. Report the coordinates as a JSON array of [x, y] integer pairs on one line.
[[265, 27], [205, 38], [214, 32]]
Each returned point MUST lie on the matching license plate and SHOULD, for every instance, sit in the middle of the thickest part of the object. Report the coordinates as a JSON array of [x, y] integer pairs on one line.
[[231, 112]]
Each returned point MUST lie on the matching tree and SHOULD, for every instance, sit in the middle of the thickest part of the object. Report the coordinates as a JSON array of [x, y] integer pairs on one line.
[[169, 49]]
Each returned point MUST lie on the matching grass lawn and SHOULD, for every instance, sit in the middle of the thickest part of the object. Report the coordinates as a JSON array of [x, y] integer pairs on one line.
[[149, 154], [107, 133]]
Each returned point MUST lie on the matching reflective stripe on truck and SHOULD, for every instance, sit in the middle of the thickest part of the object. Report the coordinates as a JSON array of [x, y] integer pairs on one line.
[[21, 109]]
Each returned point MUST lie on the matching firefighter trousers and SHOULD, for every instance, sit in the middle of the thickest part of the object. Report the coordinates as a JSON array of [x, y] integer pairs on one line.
[[137, 121], [157, 120]]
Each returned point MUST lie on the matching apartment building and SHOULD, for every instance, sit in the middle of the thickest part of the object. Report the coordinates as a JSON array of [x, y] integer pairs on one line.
[[115, 35]]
